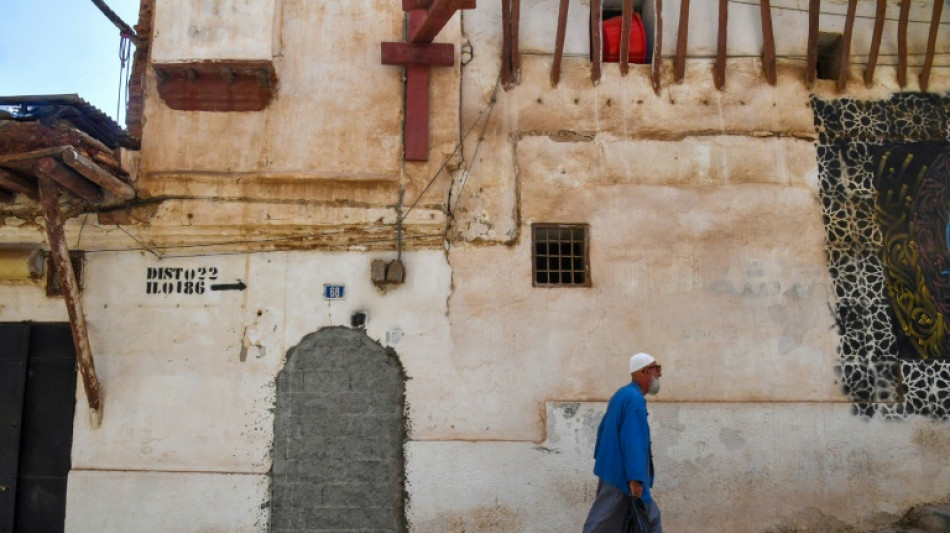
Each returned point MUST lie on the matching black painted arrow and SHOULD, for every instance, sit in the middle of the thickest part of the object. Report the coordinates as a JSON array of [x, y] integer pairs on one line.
[[239, 286]]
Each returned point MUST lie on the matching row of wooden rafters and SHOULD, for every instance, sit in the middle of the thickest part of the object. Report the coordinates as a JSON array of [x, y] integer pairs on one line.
[[510, 64]]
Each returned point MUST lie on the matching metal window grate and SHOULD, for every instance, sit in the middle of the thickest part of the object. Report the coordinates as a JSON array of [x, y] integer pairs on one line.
[[561, 255]]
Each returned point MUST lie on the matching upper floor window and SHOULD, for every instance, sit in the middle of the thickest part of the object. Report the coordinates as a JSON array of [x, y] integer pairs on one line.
[[561, 254]]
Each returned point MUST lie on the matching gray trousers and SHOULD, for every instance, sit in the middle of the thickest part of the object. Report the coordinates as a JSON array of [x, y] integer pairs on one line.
[[609, 511]]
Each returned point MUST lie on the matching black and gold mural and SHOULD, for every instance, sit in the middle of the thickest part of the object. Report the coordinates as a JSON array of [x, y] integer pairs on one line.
[[884, 184]]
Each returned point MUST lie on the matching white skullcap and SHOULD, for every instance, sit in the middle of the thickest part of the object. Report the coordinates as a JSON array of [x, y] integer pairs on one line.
[[639, 361]]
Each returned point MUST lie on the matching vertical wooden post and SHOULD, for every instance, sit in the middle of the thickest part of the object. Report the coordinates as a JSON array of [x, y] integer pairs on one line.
[[658, 47], [506, 43], [875, 42], [902, 43], [768, 43], [931, 45], [844, 66], [625, 37], [49, 194], [682, 37], [596, 15], [515, 38], [559, 43], [417, 102], [719, 72], [811, 63]]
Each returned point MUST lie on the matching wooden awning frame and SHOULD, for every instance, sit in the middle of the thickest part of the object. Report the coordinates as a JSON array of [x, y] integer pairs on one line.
[[51, 176]]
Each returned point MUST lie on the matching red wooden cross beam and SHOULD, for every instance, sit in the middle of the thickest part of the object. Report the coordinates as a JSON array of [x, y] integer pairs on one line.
[[418, 54]]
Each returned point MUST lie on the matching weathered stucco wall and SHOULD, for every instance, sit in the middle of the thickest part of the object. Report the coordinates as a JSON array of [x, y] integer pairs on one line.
[[188, 380], [720, 467], [707, 249]]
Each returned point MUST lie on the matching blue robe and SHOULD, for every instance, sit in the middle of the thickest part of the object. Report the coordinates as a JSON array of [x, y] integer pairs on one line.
[[622, 453]]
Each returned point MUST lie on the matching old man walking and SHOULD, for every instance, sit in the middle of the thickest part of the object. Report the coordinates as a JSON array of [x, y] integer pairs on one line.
[[623, 461]]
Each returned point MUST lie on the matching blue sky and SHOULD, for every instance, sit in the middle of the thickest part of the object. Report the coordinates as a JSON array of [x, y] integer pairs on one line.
[[63, 47]]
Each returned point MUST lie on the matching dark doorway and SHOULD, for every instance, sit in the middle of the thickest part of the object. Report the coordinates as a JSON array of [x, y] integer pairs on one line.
[[37, 401], [338, 437]]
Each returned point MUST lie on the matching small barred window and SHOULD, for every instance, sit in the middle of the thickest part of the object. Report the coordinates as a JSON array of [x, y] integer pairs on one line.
[[561, 255]]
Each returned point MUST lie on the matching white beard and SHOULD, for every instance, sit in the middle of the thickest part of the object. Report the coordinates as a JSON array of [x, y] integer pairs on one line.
[[654, 386]]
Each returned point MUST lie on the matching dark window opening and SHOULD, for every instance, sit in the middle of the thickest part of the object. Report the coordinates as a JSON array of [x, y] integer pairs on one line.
[[641, 30], [829, 55], [561, 255]]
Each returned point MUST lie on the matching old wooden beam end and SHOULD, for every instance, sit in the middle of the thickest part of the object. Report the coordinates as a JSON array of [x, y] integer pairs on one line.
[[17, 184], [559, 42], [682, 38], [69, 180], [595, 40], [49, 193], [811, 63], [97, 174], [902, 22], [436, 17], [879, 17], [627, 11], [844, 67], [768, 43], [719, 71], [657, 48], [924, 78]]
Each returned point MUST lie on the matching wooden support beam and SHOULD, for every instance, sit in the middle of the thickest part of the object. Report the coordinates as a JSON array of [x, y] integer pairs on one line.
[[515, 38], [409, 5], [931, 45], [844, 65], [879, 17], [719, 72], [902, 43], [69, 180], [627, 12], [506, 71], [682, 38], [658, 48], [435, 18], [431, 54], [768, 43], [811, 63], [97, 174], [417, 104], [13, 183], [596, 14], [77, 319], [559, 42]]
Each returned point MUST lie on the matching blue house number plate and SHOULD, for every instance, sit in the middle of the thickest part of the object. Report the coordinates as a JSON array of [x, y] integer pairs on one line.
[[333, 292]]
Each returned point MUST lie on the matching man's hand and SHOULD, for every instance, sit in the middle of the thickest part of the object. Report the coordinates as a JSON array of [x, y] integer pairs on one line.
[[636, 488]]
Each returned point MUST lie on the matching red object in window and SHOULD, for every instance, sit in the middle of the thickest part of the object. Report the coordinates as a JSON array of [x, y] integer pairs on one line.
[[612, 28]]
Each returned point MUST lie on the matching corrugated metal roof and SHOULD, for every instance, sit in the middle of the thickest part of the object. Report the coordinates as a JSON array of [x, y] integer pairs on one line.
[[70, 107]]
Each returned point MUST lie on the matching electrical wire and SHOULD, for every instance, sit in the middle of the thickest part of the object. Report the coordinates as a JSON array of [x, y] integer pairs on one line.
[[125, 73], [481, 138], [458, 146]]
